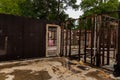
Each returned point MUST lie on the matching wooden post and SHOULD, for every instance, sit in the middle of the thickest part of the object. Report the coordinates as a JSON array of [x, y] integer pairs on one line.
[[98, 42], [79, 51], [108, 43], [85, 23], [95, 38], [92, 38], [62, 41], [118, 53], [100, 37], [66, 38], [70, 44], [117, 66], [108, 48], [103, 42]]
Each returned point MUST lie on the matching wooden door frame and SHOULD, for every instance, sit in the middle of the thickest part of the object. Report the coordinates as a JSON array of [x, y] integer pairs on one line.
[[58, 38]]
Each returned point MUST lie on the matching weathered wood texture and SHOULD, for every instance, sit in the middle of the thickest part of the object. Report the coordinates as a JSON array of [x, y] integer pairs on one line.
[[26, 37]]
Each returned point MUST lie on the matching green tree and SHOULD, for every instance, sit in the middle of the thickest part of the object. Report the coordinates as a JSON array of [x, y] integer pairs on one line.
[[98, 6], [38, 9], [10, 6]]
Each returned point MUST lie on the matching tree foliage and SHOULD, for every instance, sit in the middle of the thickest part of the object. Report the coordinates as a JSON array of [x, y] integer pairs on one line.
[[38, 9], [10, 6], [98, 6]]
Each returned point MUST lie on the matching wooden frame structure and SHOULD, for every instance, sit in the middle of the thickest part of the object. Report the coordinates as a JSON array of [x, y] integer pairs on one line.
[[97, 40]]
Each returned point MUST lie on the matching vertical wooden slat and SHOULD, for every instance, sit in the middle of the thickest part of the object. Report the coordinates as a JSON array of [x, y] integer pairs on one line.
[[103, 42], [62, 41], [79, 51], [108, 45], [66, 40], [92, 38], [100, 36], [85, 25], [95, 39], [70, 44], [118, 41], [98, 42]]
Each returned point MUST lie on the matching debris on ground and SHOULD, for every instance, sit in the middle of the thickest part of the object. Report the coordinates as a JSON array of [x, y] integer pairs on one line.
[[56, 68]]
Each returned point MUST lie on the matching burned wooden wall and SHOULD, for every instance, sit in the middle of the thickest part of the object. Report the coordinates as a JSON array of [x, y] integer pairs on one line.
[[22, 37]]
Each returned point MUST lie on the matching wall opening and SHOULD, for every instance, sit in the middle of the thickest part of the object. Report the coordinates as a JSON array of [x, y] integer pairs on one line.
[[52, 40]]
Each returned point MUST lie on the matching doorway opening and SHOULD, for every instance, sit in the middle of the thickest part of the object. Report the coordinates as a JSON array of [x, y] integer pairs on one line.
[[53, 33]]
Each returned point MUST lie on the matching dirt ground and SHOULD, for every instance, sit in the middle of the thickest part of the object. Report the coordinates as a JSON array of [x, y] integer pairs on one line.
[[51, 69]]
